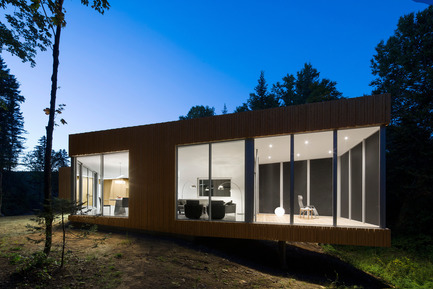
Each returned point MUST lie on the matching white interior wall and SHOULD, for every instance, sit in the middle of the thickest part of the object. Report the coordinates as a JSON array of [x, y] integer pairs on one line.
[[228, 162]]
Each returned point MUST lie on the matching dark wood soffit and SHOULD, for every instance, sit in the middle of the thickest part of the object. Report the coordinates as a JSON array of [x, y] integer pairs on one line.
[[339, 114]]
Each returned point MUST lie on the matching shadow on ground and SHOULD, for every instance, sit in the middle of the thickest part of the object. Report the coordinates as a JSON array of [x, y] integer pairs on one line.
[[302, 264]]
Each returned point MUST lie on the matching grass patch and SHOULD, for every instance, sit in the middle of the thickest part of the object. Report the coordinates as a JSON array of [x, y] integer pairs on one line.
[[406, 264]]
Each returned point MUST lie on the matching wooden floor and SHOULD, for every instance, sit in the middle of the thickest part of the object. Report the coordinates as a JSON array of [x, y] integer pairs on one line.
[[271, 218], [318, 221]]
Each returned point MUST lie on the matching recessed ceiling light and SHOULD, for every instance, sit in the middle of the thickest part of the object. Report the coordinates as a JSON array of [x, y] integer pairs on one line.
[[269, 157], [306, 142], [329, 152], [270, 145], [346, 138], [298, 155]]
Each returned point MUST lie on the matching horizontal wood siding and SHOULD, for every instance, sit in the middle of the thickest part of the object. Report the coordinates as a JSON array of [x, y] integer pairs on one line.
[[152, 162]]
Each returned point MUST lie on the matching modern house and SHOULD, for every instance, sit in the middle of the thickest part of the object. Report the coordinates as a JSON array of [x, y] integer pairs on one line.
[[312, 173]]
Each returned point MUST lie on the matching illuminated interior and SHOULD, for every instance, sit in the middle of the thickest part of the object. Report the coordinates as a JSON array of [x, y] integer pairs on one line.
[[102, 184]]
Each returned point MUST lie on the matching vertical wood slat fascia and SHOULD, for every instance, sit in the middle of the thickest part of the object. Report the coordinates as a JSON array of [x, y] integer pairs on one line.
[[152, 167]]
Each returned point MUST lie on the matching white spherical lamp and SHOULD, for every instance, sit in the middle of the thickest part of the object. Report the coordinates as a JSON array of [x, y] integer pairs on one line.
[[279, 211]]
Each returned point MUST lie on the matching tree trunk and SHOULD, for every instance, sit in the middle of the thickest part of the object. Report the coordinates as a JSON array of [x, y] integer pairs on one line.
[[48, 209]]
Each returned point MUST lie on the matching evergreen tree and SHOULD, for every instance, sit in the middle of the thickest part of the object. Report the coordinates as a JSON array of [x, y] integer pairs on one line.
[[34, 160], [198, 111], [306, 87], [261, 99], [403, 66], [11, 123], [224, 111], [243, 107], [11, 119]]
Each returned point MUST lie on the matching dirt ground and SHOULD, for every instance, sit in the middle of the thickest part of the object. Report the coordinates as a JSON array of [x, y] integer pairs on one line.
[[138, 260]]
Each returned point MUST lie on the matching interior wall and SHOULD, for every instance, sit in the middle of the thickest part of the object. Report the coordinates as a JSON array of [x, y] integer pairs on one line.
[[193, 163], [344, 208], [286, 187], [269, 187], [372, 179], [356, 182], [112, 191], [321, 185], [300, 183]]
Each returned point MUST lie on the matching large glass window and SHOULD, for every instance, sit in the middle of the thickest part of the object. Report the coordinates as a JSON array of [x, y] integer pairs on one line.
[[313, 178], [192, 178], [359, 177], [355, 193], [102, 185], [210, 181], [272, 201], [228, 173]]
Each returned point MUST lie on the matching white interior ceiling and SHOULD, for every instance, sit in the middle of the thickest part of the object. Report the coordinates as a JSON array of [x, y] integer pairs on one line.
[[270, 150], [115, 164], [309, 145]]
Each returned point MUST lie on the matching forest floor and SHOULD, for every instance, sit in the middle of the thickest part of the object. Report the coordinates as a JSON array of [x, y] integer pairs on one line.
[[100, 259]]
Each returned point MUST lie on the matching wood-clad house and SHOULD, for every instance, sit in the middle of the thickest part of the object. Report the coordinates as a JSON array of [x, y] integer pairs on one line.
[[312, 173]]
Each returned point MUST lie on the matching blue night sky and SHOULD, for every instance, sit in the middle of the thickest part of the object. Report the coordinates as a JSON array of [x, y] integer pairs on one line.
[[150, 61]]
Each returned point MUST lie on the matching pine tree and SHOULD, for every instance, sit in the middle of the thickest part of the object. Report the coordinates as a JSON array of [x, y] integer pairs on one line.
[[11, 119], [34, 160], [198, 111], [403, 67], [224, 111], [306, 87], [11, 122], [261, 99]]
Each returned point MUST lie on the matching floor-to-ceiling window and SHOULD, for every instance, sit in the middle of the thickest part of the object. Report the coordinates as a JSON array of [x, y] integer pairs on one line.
[[272, 156], [313, 178], [102, 184], [359, 177], [210, 181], [329, 189]]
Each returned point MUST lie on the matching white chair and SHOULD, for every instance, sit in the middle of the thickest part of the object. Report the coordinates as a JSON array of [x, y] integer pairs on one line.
[[304, 210]]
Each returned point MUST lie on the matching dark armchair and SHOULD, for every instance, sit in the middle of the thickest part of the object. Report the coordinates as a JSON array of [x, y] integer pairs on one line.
[[193, 209], [218, 210]]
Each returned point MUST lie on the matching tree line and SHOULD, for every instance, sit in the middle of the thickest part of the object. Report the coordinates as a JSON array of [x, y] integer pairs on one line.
[[403, 67], [305, 87]]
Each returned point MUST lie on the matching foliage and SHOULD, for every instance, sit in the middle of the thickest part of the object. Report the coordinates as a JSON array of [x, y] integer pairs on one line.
[[261, 99], [224, 111], [241, 108], [23, 192], [198, 111], [407, 264], [34, 160], [403, 66], [48, 15], [11, 119], [306, 87], [24, 31]]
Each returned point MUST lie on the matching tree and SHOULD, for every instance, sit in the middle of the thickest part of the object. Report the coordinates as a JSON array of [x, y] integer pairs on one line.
[[306, 87], [198, 111], [403, 66], [261, 99], [50, 15], [35, 159], [243, 107], [224, 111], [25, 31], [11, 123]]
